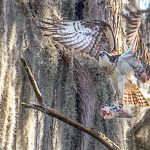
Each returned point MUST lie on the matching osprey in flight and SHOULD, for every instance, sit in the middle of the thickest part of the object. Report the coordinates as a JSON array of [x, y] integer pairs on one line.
[[96, 38]]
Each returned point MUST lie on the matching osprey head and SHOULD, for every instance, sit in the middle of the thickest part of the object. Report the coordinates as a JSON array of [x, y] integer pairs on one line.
[[104, 55], [106, 59]]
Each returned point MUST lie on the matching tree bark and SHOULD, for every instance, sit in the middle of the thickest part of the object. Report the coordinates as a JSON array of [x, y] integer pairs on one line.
[[76, 91]]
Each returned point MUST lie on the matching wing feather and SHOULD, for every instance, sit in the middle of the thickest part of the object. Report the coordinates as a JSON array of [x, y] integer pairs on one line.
[[133, 96], [133, 19], [134, 23], [79, 44], [86, 36]]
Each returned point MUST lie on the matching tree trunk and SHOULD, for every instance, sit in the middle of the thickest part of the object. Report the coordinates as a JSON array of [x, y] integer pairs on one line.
[[75, 90]]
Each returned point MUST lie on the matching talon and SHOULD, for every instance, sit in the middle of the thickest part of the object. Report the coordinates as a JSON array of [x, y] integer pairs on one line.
[[106, 113]]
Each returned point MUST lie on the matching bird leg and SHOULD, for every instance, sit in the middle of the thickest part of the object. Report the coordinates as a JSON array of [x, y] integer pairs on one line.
[[116, 109], [121, 86], [116, 95]]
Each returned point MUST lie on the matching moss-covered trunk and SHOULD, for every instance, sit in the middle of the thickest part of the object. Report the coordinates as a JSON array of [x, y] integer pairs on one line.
[[75, 90]]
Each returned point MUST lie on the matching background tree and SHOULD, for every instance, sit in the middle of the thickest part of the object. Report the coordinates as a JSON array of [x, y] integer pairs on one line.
[[77, 92]]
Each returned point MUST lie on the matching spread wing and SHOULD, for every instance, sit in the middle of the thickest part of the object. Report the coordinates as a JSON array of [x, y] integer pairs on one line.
[[133, 32], [85, 36], [133, 23], [133, 96]]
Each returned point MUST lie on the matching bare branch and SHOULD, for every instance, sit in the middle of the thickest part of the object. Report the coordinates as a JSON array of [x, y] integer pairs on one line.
[[97, 135], [32, 80]]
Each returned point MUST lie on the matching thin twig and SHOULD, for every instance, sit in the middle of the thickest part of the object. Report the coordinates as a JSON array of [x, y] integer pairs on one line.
[[97, 135], [32, 80]]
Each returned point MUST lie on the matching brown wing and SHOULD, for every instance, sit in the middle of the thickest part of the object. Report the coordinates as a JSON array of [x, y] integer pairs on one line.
[[133, 96], [85, 36], [133, 25]]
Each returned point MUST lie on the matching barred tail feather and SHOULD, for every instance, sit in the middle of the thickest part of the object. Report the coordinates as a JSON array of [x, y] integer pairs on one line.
[[133, 96]]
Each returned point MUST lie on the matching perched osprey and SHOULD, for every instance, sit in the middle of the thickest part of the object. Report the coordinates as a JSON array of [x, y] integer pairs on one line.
[[96, 38]]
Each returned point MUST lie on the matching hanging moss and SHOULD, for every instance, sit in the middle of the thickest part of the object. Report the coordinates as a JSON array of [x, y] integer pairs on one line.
[[56, 80], [81, 9], [67, 9], [69, 134]]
